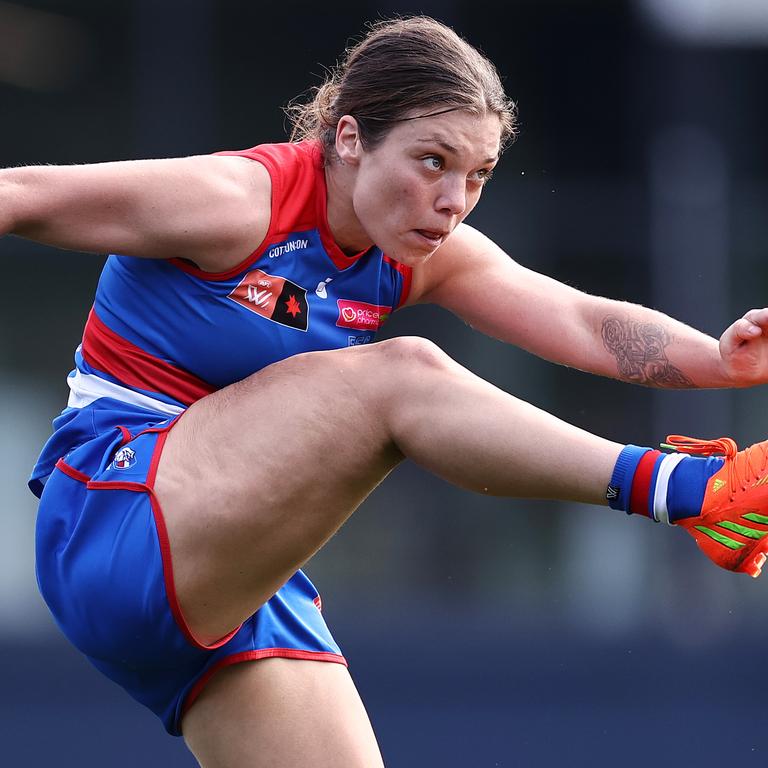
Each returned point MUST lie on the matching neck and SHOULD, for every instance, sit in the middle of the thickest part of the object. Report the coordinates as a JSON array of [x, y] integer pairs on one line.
[[342, 221]]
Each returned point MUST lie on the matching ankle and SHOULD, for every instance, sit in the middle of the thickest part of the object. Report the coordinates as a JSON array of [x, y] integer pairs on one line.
[[664, 487]]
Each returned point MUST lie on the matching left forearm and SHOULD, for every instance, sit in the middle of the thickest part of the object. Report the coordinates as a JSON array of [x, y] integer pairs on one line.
[[643, 346], [474, 278]]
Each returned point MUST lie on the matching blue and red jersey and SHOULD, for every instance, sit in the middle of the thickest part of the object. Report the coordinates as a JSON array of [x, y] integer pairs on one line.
[[163, 333]]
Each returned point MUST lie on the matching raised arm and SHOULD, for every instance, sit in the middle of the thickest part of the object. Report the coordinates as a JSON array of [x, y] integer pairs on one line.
[[211, 209], [471, 276]]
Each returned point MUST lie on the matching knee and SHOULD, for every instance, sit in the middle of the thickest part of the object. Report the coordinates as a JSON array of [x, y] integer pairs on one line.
[[413, 354], [374, 371]]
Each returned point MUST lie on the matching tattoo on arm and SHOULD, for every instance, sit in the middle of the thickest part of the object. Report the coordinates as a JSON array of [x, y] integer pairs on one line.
[[639, 352]]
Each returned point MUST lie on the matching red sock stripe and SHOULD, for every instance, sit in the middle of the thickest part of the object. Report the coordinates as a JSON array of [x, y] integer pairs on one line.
[[641, 484]]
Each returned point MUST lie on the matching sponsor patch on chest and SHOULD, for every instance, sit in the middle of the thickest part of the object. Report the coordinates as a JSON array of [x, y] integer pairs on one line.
[[275, 298], [360, 315]]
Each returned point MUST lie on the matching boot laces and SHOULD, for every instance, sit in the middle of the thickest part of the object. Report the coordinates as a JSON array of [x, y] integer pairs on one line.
[[742, 466]]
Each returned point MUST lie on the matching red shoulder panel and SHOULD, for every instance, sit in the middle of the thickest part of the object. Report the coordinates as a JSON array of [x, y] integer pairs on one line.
[[292, 168]]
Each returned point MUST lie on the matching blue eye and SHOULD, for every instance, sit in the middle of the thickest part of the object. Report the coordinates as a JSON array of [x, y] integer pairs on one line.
[[433, 163], [484, 174]]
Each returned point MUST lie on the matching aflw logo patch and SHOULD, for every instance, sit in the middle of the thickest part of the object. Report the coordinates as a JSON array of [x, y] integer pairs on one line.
[[276, 298]]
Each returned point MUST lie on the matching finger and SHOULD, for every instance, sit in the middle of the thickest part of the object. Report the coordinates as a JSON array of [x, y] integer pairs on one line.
[[741, 332], [757, 317], [746, 328]]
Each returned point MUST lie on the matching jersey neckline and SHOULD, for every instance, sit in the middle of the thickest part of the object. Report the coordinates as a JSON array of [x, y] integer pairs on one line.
[[340, 259]]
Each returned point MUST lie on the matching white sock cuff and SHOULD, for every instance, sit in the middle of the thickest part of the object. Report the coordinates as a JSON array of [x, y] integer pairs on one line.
[[666, 468]]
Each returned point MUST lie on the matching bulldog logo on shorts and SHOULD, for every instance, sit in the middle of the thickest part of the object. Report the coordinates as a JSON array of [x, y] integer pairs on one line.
[[124, 458]]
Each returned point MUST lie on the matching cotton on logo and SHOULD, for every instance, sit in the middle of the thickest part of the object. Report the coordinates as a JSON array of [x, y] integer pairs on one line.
[[360, 315], [291, 245]]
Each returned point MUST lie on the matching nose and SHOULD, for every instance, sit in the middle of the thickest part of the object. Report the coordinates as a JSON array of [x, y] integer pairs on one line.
[[453, 195]]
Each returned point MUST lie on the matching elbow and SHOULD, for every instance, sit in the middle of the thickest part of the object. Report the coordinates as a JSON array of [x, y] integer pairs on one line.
[[20, 201]]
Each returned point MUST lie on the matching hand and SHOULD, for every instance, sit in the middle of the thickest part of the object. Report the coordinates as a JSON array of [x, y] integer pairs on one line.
[[744, 349]]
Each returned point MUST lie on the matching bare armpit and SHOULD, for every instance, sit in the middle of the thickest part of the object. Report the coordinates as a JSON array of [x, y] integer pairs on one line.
[[639, 352]]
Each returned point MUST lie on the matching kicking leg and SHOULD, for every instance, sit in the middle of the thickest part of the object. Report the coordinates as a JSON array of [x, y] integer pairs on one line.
[[254, 478]]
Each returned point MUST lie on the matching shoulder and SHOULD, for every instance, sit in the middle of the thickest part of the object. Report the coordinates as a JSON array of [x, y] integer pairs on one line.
[[234, 209], [294, 172], [288, 165], [269, 189]]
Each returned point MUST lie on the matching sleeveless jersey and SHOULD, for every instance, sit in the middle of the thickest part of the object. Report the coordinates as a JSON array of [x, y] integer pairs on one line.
[[163, 333]]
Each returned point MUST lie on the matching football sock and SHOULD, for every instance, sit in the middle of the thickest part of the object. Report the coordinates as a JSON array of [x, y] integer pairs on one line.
[[663, 486]]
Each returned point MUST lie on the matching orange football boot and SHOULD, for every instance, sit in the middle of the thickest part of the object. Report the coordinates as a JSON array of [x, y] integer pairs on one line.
[[732, 527]]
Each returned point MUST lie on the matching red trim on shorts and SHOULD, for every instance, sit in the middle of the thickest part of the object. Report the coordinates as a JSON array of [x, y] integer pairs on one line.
[[152, 473], [170, 585], [165, 546], [263, 653], [162, 535], [105, 350], [165, 553], [641, 484], [159, 445], [318, 601], [117, 485], [406, 272], [75, 474]]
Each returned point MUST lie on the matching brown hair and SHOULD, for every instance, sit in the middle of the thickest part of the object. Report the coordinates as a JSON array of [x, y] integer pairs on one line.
[[404, 68]]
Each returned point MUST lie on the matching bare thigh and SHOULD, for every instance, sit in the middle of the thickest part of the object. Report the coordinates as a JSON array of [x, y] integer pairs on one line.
[[254, 479], [281, 713]]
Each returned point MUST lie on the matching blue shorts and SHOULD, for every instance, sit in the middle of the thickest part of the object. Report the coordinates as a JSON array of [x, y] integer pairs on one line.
[[104, 569]]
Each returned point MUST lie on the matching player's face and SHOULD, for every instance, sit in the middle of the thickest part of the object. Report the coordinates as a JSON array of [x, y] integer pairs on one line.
[[422, 180]]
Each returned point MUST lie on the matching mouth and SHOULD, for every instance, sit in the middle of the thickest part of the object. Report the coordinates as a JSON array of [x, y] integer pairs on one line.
[[433, 238]]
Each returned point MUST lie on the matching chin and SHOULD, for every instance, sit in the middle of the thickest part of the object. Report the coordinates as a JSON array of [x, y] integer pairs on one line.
[[410, 258]]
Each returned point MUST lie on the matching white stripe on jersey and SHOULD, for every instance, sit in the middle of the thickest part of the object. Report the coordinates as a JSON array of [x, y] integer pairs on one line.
[[86, 388]]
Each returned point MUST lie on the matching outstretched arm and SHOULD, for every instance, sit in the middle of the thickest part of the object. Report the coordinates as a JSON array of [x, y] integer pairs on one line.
[[211, 209], [471, 276]]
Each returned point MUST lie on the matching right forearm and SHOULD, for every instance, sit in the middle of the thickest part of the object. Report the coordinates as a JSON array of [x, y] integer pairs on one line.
[[62, 206], [28, 198], [8, 196]]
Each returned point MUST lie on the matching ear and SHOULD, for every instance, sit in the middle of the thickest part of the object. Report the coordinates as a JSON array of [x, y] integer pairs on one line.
[[349, 148]]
